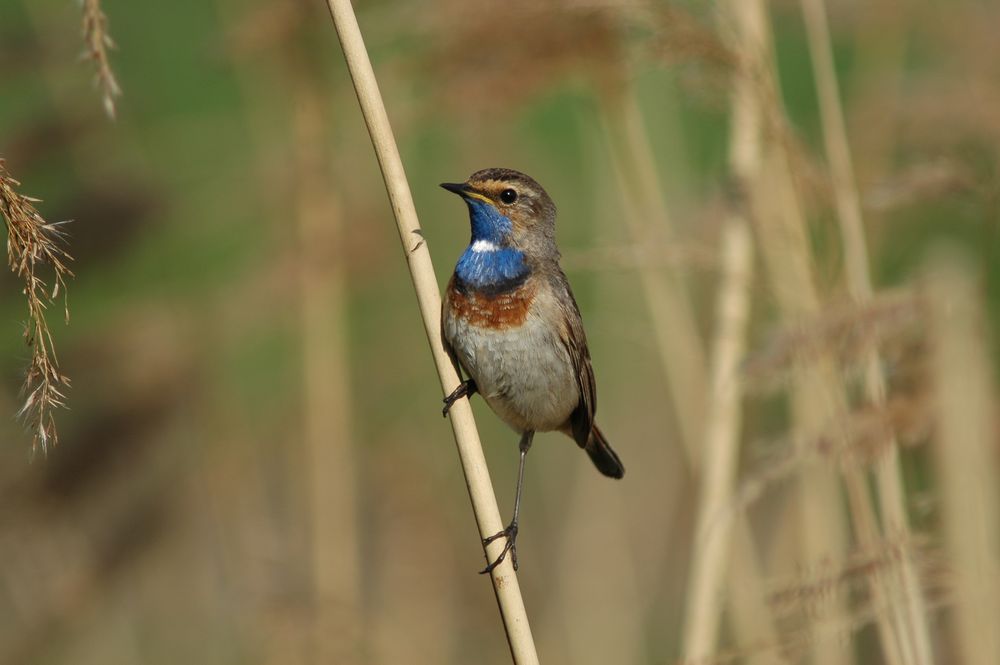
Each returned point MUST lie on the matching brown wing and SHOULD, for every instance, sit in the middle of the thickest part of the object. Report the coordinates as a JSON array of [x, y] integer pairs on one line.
[[581, 421]]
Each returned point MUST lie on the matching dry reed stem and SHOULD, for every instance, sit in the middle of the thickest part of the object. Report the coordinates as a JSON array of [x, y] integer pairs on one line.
[[418, 257], [908, 611], [814, 393], [758, 165], [678, 341], [966, 458], [97, 43], [336, 564], [817, 395], [682, 357], [750, 616], [702, 615], [330, 624], [677, 337], [712, 537], [33, 243]]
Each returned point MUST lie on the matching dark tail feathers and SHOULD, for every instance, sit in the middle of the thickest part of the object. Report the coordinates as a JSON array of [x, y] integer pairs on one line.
[[604, 458]]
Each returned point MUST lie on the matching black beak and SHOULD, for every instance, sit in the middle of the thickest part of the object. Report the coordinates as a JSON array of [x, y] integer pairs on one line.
[[459, 188]]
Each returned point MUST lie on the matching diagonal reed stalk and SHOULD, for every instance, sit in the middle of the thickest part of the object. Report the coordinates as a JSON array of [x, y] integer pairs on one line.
[[965, 453], [909, 613], [484, 505]]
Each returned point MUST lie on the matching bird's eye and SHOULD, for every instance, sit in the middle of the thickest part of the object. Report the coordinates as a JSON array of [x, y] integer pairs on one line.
[[508, 196]]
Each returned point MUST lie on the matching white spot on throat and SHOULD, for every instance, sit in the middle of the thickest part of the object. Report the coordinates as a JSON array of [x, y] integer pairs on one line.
[[484, 246]]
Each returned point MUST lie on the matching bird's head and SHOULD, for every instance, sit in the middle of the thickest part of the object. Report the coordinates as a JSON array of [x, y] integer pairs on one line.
[[508, 209]]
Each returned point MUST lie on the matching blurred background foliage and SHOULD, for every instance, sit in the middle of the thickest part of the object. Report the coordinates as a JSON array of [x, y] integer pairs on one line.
[[253, 467]]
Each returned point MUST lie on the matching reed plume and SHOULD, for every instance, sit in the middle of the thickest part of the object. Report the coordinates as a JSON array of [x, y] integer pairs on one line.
[[97, 43], [32, 245]]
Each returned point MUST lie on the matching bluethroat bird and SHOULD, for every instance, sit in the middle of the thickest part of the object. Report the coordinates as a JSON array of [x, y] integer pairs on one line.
[[510, 321]]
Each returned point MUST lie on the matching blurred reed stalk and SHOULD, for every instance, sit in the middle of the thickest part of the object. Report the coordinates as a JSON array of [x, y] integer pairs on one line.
[[326, 497], [906, 601], [667, 299], [336, 566], [752, 620], [721, 447], [965, 452], [484, 505], [97, 42], [679, 343], [880, 54], [711, 545], [596, 511], [34, 244], [817, 397]]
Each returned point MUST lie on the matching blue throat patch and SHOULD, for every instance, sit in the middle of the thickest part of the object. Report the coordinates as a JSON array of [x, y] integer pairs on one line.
[[495, 270]]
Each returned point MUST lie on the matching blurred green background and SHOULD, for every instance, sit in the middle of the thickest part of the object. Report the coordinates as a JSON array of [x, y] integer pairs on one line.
[[231, 488]]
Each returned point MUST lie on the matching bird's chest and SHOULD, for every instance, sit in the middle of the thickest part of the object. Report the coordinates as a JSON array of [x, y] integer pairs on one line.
[[508, 342]]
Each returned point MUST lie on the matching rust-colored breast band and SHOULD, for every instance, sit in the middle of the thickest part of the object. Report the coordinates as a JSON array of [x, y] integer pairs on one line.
[[497, 312]]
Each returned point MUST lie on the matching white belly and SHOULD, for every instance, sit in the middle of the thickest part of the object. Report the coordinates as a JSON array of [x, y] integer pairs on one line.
[[524, 374]]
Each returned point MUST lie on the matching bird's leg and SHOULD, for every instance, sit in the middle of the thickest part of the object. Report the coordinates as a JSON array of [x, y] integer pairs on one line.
[[466, 388], [511, 531]]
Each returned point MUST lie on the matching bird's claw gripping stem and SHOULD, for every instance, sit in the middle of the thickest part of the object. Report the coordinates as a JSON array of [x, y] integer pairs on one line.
[[510, 533], [466, 388]]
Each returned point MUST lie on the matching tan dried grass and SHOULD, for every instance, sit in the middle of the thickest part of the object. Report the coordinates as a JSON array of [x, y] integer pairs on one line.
[[97, 44], [33, 244]]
